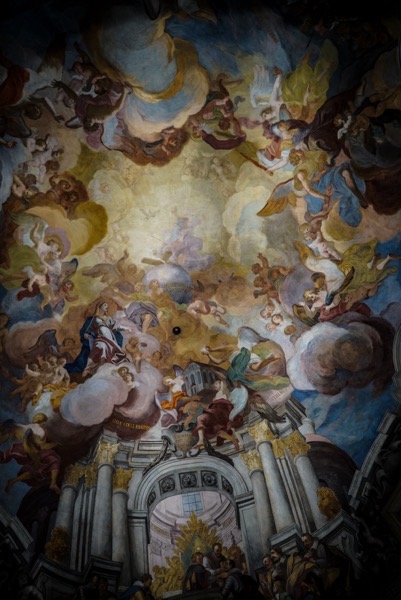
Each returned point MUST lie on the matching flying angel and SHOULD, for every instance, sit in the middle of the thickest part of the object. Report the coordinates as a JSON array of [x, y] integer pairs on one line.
[[40, 463], [337, 277], [239, 399], [261, 87]]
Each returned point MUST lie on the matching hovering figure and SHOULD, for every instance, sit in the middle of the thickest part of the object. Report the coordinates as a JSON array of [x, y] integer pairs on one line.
[[40, 463], [221, 417], [337, 279], [255, 361], [169, 401]]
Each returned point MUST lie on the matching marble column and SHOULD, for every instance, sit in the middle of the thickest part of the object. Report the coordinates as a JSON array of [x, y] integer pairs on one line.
[[265, 440], [102, 515], [82, 517], [139, 540], [86, 517], [59, 547], [120, 541], [261, 497], [299, 449], [65, 509]]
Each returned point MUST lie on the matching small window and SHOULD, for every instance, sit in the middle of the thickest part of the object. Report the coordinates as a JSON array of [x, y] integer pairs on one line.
[[192, 503]]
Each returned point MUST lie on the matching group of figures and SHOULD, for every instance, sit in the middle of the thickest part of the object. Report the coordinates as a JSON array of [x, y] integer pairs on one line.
[[197, 222], [317, 572]]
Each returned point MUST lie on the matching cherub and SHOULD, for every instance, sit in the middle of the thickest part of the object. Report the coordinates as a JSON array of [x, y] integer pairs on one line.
[[312, 232], [158, 295], [49, 369], [268, 309], [276, 321], [160, 358], [265, 287], [29, 386], [60, 376], [261, 268], [58, 381], [62, 294], [24, 188], [36, 283], [176, 391], [132, 348], [170, 402], [127, 376], [199, 307], [42, 247]]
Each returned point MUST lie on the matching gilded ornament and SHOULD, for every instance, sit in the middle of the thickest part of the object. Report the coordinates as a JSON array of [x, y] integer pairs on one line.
[[261, 432], [252, 460], [106, 452], [59, 544], [122, 478], [328, 503]]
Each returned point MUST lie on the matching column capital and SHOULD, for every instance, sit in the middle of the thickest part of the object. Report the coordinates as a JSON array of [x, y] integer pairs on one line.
[[90, 473], [261, 432], [122, 478], [296, 444], [278, 446], [106, 452], [252, 460], [72, 475]]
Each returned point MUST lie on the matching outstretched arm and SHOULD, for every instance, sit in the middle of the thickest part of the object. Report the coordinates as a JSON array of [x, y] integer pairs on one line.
[[62, 86]]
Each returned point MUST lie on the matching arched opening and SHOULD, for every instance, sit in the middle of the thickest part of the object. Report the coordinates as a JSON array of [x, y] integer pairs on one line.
[[186, 523], [178, 506]]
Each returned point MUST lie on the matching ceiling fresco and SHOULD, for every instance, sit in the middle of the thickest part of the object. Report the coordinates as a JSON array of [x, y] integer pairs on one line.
[[197, 198]]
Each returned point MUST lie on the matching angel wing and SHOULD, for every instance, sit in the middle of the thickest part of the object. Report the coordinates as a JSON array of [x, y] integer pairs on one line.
[[30, 228], [68, 268], [261, 86], [45, 343], [266, 411], [160, 398], [239, 398], [302, 315], [179, 371], [336, 279], [282, 195], [248, 337]]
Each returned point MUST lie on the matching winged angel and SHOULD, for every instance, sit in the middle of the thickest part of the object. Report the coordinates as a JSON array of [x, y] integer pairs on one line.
[[40, 463], [36, 264], [321, 185]]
